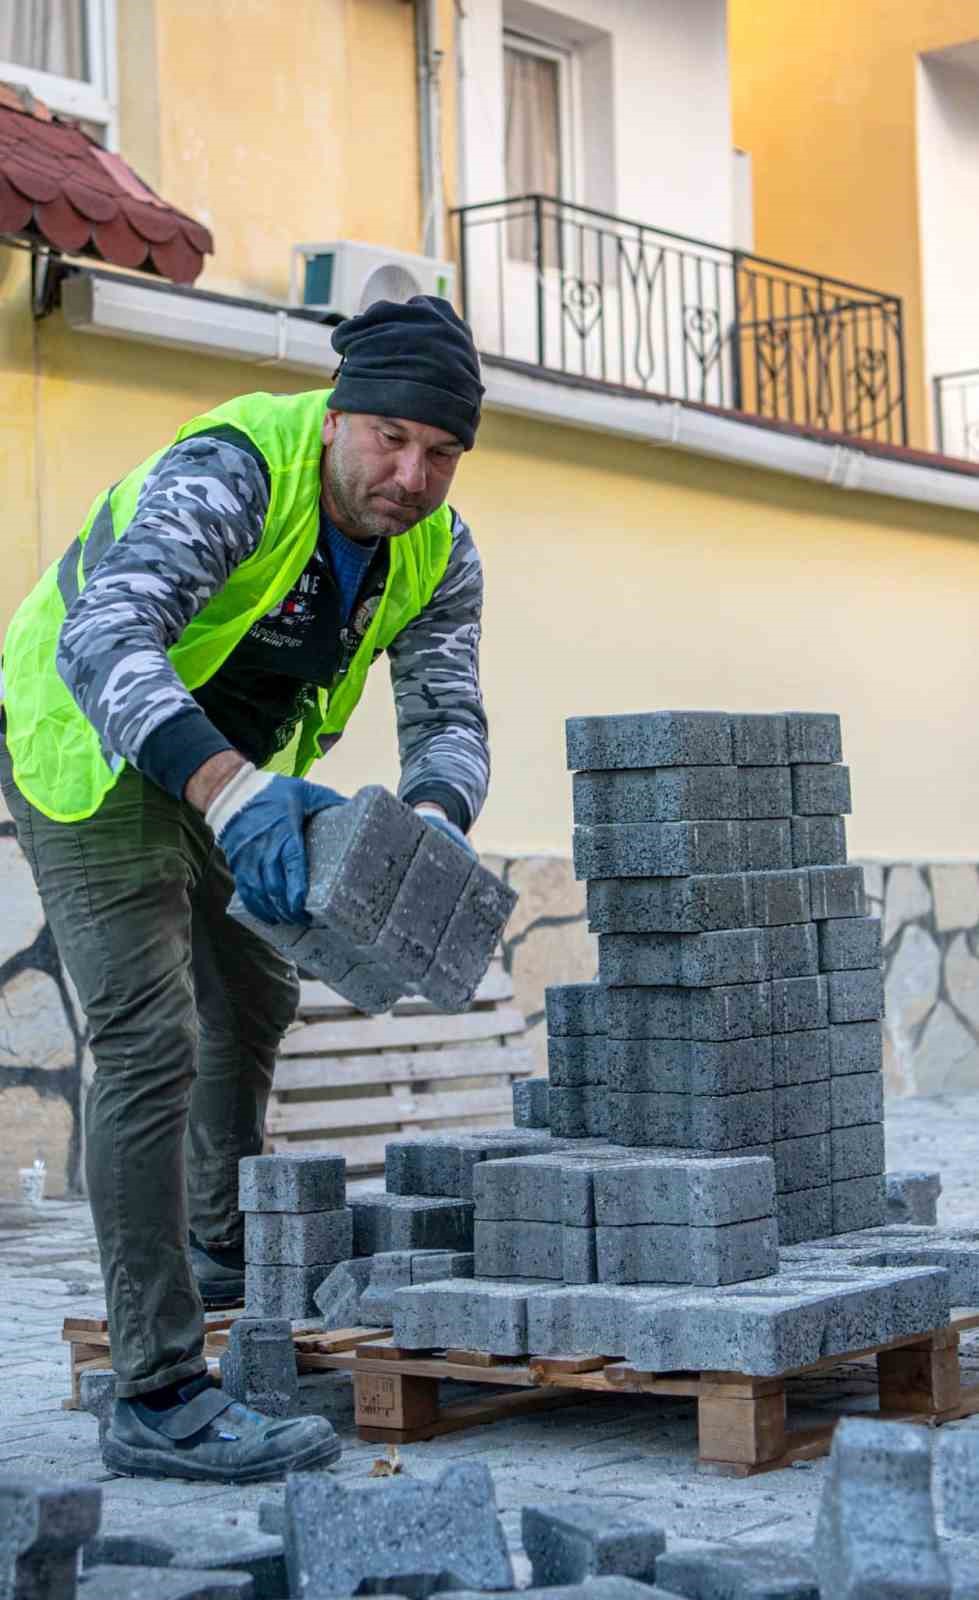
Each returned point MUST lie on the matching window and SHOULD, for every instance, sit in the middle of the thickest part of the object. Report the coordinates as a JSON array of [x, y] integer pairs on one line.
[[539, 121], [64, 51]]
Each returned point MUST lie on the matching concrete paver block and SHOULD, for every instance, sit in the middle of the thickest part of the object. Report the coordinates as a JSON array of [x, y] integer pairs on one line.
[[658, 849], [956, 1476], [292, 1183], [820, 790], [766, 845], [806, 1212], [857, 1098], [857, 1152], [471, 937], [735, 1011], [814, 736], [571, 1543], [658, 794], [793, 950], [702, 903], [576, 1008], [759, 739], [445, 1533], [384, 1222], [859, 1203], [800, 1003], [847, 943], [573, 1062], [764, 792], [530, 1103], [802, 1057], [740, 1572], [778, 898], [258, 1366], [165, 1583], [488, 1314], [876, 1530], [913, 1196], [802, 1109], [694, 1066], [278, 1291], [358, 856], [705, 1256], [43, 1525], [691, 960], [836, 891], [802, 1163], [303, 1239], [818, 842], [442, 1164], [856, 996], [338, 1299], [649, 739], [855, 1047]]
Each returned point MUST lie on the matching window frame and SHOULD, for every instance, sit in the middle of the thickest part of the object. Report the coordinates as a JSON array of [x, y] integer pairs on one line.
[[569, 104], [96, 101]]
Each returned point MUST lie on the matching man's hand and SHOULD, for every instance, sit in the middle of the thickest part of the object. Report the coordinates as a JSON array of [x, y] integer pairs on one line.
[[258, 819], [436, 818]]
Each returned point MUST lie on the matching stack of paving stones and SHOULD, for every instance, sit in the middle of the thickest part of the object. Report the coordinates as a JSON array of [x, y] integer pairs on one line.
[[740, 997], [395, 907], [297, 1226]]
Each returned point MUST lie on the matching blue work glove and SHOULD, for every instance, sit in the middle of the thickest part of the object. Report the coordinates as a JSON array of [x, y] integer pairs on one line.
[[258, 821], [435, 819]]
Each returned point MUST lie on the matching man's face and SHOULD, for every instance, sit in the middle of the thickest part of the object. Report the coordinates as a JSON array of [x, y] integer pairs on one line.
[[381, 475]]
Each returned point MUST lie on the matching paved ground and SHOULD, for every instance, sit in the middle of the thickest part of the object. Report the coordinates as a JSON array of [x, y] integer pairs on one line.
[[623, 1451]]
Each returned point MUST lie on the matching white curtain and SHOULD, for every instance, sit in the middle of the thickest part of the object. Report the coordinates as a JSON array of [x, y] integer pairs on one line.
[[48, 35], [532, 142]]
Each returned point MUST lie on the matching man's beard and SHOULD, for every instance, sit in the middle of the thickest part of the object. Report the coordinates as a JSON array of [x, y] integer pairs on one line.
[[352, 503]]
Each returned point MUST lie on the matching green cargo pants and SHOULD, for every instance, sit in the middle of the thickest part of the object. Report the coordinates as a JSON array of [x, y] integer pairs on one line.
[[186, 1010]]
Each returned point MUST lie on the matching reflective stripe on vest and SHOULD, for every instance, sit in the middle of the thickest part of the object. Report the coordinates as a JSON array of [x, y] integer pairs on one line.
[[58, 764]]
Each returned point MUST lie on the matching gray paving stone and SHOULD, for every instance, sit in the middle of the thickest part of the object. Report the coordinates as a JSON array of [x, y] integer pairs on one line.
[[805, 1213], [530, 1103], [358, 855], [43, 1524], [277, 1291], [793, 950], [694, 1066], [594, 1589], [445, 1533], [165, 1583], [759, 739], [734, 1011], [955, 1251], [858, 1203], [723, 1191], [956, 1476], [855, 1047], [581, 1113], [858, 1098], [441, 1165], [702, 903], [649, 739], [433, 885], [739, 1572], [397, 1269], [818, 842], [587, 1319], [857, 1152], [814, 736], [410, 1222], [764, 792], [548, 1188], [836, 891], [876, 1535], [521, 1250], [96, 1394], [664, 1253], [351, 969], [913, 1196], [705, 1122], [204, 1549], [820, 790], [576, 1008], [126, 1550], [802, 1109], [801, 1057], [778, 898], [802, 1163], [698, 960], [658, 849], [292, 1183], [573, 1062], [308, 1238], [799, 1003], [658, 794], [846, 943], [338, 1299], [573, 1542], [856, 996], [467, 946], [482, 1315], [767, 845], [258, 1366]]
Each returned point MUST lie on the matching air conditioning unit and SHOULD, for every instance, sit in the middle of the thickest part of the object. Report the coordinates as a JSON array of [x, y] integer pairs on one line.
[[343, 277]]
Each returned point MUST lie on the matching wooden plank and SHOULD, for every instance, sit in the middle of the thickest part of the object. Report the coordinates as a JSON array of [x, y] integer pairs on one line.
[[402, 1066], [305, 1116], [736, 1428], [920, 1379], [544, 1369], [394, 1400], [513, 1377], [364, 1154], [475, 1413], [392, 1032]]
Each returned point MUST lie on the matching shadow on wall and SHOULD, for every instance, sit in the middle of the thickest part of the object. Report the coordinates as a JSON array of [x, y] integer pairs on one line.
[[42, 1038]]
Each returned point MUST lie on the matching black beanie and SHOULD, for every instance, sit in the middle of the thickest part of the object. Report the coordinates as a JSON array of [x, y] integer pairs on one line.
[[416, 361]]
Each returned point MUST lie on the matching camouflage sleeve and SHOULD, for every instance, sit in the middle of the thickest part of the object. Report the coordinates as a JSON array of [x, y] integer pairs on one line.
[[442, 732], [200, 513]]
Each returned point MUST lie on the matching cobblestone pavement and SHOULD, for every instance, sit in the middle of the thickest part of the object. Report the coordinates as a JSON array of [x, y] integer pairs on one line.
[[624, 1451]]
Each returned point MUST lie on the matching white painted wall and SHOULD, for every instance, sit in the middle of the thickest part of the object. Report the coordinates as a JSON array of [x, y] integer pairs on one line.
[[948, 177], [657, 136]]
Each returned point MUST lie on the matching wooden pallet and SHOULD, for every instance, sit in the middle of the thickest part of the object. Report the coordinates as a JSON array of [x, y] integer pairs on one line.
[[741, 1420], [351, 1082]]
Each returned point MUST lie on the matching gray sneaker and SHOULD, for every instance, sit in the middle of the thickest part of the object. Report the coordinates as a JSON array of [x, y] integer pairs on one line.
[[219, 1275], [210, 1437]]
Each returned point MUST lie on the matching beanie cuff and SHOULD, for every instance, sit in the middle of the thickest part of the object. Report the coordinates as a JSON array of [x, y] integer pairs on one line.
[[415, 402]]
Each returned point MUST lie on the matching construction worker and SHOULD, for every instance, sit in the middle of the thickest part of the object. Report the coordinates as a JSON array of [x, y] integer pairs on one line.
[[167, 685]]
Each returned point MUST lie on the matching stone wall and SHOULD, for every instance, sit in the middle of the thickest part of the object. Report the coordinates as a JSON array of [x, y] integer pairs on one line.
[[931, 965]]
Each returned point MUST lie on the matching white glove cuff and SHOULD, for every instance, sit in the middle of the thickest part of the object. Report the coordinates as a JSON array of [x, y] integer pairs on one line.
[[234, 797], [428, 808]]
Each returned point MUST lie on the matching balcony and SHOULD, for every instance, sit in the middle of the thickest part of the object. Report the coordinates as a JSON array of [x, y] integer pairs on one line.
[[957, 414], [567, 290]]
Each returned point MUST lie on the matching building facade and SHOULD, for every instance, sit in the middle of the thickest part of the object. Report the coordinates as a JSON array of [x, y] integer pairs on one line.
[[692, 486]]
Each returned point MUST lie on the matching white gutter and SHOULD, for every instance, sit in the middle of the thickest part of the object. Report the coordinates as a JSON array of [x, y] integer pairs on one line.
[[680, 427]]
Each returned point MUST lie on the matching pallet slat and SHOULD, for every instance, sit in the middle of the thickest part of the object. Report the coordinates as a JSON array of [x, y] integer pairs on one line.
[[402, 1066], [305, 1116], [394, 1032]]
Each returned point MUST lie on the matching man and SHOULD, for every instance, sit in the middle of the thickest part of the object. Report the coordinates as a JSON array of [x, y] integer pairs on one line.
[[167, 685]]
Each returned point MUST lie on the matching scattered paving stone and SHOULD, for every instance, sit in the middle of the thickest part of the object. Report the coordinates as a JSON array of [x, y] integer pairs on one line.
[[338, 1298], [594, 1589], [913, 1196], [258, 1367], [739, 1572], [43, 1524], [441, 1534], [163, 1583], [573, 1542]]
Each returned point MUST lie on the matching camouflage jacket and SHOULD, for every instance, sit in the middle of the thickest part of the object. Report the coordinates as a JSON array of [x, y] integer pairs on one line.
[[200, 513]]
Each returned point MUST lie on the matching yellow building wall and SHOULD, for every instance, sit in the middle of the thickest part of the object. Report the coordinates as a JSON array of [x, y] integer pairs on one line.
[[823, 97]]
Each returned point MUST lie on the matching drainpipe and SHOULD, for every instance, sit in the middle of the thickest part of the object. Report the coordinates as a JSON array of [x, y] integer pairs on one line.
[[428, 59]]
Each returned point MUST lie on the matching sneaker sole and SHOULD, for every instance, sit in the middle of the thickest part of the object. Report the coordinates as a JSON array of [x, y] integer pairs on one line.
[[131, 1462]]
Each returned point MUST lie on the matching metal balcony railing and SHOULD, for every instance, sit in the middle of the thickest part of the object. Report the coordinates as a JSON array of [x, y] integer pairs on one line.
[[957, 414], [577, 291]]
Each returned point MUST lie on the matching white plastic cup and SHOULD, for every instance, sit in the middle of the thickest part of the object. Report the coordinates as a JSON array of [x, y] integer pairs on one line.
[[32, 1184]]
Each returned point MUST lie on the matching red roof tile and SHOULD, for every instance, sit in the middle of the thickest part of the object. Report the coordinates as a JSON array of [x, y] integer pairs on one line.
[[59, 186]]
